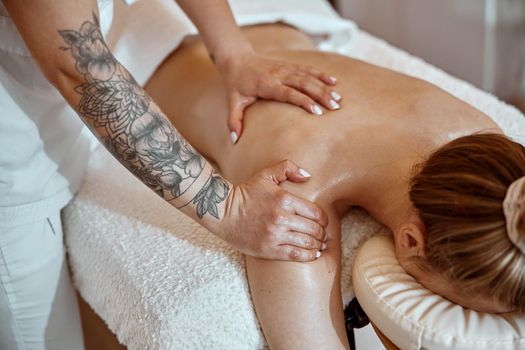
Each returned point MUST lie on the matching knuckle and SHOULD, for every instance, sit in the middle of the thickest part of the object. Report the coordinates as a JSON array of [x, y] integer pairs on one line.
[[318, 231], [281, 197], [305, 99], [315, 212], [314, 71], [288, 93], [272, 240], [285, 200], [294, 254], [308, 69], [308, 242], [273, 214], [323, 76], [279, 218], [308, 102], [304, 81], [327, 91]]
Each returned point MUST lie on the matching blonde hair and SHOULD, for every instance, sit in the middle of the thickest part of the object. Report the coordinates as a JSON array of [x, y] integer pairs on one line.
[[459, 192]]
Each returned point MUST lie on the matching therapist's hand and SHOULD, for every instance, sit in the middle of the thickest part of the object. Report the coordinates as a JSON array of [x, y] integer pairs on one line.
[[249, 76], [264, 221]]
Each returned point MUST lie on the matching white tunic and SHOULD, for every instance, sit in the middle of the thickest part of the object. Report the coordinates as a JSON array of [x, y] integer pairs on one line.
[[44, 146]]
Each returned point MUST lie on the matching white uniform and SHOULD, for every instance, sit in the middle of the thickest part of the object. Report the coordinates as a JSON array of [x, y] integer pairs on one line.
[[44, 148]]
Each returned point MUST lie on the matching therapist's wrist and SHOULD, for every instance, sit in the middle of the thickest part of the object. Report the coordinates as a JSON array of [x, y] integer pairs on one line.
[[208, 204], [230, 55], [219, 225]]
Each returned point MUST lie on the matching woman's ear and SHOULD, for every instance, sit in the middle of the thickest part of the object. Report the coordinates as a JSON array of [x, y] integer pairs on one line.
[[410, 240]]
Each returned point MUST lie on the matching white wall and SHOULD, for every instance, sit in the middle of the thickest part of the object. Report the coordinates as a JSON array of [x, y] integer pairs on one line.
[[481, 41], [509, 48]]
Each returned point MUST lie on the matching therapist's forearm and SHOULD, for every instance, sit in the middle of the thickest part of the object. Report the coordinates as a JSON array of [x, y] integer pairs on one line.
[[135, 130], [215, 22]]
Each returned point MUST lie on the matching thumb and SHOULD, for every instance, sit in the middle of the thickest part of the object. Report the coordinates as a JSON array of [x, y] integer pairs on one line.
[[237, 106], [235, 121], [285, 170]]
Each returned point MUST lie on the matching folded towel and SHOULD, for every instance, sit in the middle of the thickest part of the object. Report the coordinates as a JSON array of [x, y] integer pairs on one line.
[[159, 280]]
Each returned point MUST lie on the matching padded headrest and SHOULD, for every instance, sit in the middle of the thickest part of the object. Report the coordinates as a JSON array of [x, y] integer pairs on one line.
[[413, 317]]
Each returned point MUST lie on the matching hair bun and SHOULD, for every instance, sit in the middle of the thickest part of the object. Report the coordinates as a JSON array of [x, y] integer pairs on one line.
[[514, 209]]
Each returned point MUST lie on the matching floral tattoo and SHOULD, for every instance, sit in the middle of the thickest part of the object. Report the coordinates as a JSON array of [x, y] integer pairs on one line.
[[138, 135]]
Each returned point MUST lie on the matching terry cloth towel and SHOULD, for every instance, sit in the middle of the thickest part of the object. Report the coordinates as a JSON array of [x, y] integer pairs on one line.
[[162, 282], [147, 31]]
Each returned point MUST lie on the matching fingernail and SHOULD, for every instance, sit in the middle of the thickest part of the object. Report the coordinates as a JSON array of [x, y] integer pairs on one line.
[[323, 246], [334, 104], [333, 79], [317, 110], [304, 173], [318, 254], [234, 137], [335, 96]]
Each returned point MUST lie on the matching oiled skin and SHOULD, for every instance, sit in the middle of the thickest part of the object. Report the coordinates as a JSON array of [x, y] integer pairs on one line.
[[363, 154]]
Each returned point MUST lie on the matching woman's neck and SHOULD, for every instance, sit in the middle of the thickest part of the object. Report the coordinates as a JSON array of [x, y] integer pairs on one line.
[[385, 194]]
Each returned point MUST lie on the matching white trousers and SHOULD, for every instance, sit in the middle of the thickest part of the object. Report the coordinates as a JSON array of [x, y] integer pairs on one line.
[[38, 305]]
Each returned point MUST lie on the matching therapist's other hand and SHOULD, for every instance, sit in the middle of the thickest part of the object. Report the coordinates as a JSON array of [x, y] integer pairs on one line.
[[264, 221], [249, 76]]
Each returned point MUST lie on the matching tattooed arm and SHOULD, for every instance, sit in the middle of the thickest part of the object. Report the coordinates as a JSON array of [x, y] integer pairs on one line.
[[135, 131], [65, 40]]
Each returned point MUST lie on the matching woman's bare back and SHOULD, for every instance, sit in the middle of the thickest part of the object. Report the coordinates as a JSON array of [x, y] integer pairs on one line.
[[362, 155], [387, 123]]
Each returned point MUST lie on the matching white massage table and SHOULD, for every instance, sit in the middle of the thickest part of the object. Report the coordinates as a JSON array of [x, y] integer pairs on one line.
[[162, 282]]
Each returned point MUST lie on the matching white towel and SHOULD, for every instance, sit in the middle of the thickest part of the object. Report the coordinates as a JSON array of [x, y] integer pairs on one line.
[[147, 31], [162, 282]]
